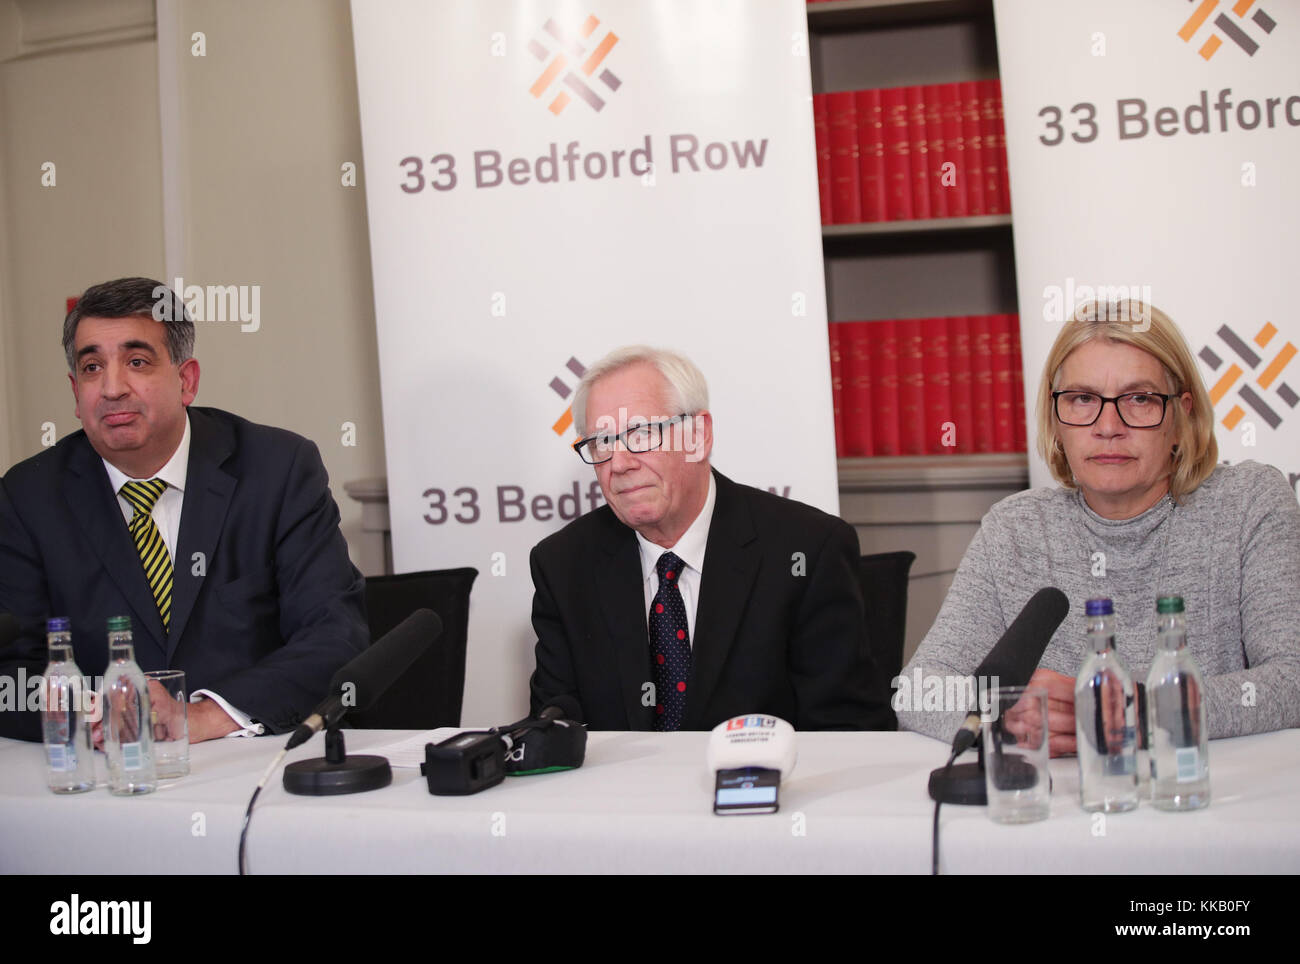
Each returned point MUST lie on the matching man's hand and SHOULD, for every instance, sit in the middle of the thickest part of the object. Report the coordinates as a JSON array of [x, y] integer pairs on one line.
[[1060, 710], [208, 721], [166, 713]]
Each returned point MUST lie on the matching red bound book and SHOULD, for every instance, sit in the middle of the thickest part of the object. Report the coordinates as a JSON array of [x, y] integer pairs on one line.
[[822, 133], [1000, 130], [911, 387], [939, 424], [855, 343], [1004, 433], [919, 152], [959, 360], [837, 386], [871, 155], [981, 367], [842, 116], [954, 150], [884, 388], [935, 149], [898, 169], [970, 126], [1018, 387], [993, 153]]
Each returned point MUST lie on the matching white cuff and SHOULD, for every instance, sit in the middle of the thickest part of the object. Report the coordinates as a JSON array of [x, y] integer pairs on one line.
[[247, 726]]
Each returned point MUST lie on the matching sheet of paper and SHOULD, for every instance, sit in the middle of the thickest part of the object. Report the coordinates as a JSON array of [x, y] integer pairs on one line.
[[409, 750]]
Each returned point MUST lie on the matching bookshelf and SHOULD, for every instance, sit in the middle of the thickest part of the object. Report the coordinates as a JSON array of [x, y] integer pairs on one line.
[[931, 504]]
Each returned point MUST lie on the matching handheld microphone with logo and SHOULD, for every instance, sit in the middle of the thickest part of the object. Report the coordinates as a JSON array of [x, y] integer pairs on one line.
[[749, 756], [356, 687], [474, 760], [1011, 662]]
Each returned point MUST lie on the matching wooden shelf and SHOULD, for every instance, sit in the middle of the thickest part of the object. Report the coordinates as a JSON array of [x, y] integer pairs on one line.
[[853, 14], [875, 229], [934, 473]]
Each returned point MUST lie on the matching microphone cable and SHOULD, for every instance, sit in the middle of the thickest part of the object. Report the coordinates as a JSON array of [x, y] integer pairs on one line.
[[248, 813], [934, 842]]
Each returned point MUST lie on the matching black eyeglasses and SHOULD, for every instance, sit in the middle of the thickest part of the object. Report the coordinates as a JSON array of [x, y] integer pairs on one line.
[[645, 437], [1136, 409]]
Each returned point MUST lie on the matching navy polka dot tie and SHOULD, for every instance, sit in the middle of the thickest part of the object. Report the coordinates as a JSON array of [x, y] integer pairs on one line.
[[670, 645]]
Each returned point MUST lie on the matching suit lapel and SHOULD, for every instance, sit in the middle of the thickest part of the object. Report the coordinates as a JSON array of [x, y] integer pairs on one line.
[[208, 491], [93, 503], [621, 599], [731, 561]]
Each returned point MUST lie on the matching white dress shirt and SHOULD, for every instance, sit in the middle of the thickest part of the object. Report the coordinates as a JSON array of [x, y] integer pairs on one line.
[[167, 517], [690, 549]]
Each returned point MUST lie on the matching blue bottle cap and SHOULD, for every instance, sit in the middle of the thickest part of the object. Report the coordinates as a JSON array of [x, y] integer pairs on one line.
[[58, 624], [1099, 607]]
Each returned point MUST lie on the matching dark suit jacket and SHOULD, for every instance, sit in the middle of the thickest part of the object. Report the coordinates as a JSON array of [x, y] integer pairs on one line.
[[778, 628], [264, 616]]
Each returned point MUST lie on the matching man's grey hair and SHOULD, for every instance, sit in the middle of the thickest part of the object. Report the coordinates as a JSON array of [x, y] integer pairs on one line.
[[686, 384], [130, 297]]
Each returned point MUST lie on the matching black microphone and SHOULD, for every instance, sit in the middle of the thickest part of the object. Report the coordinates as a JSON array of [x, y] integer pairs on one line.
[[369, 674], [1012, 660], [1016, 655]]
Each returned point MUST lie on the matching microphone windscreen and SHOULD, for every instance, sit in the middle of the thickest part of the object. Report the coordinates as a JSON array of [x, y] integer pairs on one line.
[[377, 668], [1017, 654]]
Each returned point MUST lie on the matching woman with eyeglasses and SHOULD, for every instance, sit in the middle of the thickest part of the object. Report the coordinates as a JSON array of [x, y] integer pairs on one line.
[[1142, 510]]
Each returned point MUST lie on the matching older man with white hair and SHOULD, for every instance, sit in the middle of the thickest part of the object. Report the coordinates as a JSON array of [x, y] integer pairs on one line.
[[688, 598]]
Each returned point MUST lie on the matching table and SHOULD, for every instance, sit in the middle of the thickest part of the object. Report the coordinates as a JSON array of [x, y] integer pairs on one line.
[[855, 803]]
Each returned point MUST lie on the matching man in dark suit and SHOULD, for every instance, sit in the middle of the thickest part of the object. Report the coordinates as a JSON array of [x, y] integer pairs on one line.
[[688, 599], [218, 537]]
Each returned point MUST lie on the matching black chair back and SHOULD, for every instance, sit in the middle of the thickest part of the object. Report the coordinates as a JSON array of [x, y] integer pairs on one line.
[[429, 694], [883, 578]]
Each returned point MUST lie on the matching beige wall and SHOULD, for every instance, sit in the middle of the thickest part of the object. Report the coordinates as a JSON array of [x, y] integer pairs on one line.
[[261, 126], [268, 117], [92, 113]]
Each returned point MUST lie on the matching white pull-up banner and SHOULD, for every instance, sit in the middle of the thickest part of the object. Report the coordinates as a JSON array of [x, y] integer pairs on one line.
[[1154, 151], [548, 180]]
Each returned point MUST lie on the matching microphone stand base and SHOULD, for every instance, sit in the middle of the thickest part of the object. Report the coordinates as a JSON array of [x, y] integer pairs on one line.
[[336, 772], [960, 784]]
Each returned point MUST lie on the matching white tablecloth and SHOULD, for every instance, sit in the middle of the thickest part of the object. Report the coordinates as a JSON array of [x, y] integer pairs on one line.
[[856, 803]]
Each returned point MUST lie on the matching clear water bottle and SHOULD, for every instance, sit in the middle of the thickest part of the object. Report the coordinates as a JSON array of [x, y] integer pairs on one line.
[[1105, 719], [128, 732], [65, 716], [1180, 758]]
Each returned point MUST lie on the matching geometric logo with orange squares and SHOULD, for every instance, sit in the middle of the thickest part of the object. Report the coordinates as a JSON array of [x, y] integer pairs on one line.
[[572, 62], [1236, 32], [1251, 368], [561, 388]]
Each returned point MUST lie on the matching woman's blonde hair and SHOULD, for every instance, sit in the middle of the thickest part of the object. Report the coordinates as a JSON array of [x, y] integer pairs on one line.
[[1143, 326]]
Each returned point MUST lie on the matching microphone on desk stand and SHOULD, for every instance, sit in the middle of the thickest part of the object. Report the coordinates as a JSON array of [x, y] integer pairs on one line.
[[354, 687], [1012, 662]]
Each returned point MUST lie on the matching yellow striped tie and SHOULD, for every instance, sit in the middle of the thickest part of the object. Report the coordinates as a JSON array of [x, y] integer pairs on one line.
[[149, 542]]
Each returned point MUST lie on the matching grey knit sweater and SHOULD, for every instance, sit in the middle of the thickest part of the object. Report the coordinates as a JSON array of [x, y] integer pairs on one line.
[[1231, 549]]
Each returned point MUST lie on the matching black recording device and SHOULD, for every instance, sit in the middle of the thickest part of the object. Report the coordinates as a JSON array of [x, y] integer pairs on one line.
[[477, 759]]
